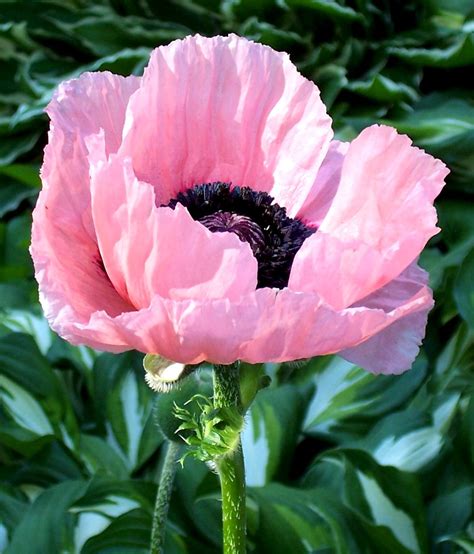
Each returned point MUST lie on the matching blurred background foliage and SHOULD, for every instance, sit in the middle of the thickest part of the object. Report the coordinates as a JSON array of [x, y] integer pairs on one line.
[[338, 461]]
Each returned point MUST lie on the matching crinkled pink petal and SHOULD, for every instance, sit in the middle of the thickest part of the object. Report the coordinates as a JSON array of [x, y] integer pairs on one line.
[[226, 109], [72, 282], [79, 108], [64, 248], [322, 193], [148, 250], [264, 326], [229, 110], [379, 221], [394, 349]]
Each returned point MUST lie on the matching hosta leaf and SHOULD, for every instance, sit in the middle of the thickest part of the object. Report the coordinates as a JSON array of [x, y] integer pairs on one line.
[[126, 534], [443, 124], [16, 145], [47, 526], [264, 32], [12, 507], [104, 34], [49, 464], [22, 362], [22, 407], [300, 521], [411, 440], [15, 261], [100, 458], [125, 403], [18, 294], [327, 7], [449, 514], [383, 89], [103, 502], [197, 494], [270, 434], [26, 174], [11, 196], [464, 289], [459, 53], [347, 396], [377, 497], [130, 533], [33, 398], [458, 226]]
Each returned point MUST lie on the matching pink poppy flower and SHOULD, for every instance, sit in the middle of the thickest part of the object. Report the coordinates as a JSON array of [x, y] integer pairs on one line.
[[203, 212]]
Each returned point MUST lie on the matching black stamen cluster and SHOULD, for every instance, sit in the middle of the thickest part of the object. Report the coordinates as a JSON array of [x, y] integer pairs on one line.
[[282, 235]]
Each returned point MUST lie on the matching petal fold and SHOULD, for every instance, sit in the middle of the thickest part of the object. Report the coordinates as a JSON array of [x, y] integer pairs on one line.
[[322, 193], [148, 250], [226, 109], [264, 326], [394, 349], [72, 282], [380, 219]]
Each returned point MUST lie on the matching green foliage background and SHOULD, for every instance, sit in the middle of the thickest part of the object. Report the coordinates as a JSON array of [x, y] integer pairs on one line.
[[351, 463]]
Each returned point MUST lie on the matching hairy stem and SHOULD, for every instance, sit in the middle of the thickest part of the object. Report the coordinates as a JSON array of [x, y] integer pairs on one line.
[[230, 467], [163, 497]]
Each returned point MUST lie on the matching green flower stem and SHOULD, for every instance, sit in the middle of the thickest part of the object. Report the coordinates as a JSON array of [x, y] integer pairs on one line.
[[230, 467], [163, 497]]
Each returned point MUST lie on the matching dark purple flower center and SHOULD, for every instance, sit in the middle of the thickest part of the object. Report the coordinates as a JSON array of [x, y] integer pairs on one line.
[[274, 237], [246, 229]]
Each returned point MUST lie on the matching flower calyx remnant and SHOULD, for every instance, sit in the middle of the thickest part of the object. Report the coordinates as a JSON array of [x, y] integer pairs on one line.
[[161, 375]]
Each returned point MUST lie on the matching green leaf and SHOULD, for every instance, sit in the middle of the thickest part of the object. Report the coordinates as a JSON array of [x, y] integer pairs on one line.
[[383, 89], [126, 534], [346, 396], [197, 493], [51, 462], [23, 408], [16, 145], [104, 34], [20, 294], [261, 31], [103, 502], [25, 174], [330, 8], [443, 124], [451, 513], [385, 514], [12, 506], [411, 440], [294, 521], [270, 434], [15, 261], [100, 458], [125, 402], [34, 404], [11, 196], [464, 289], [48, 522], [460, 52]]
